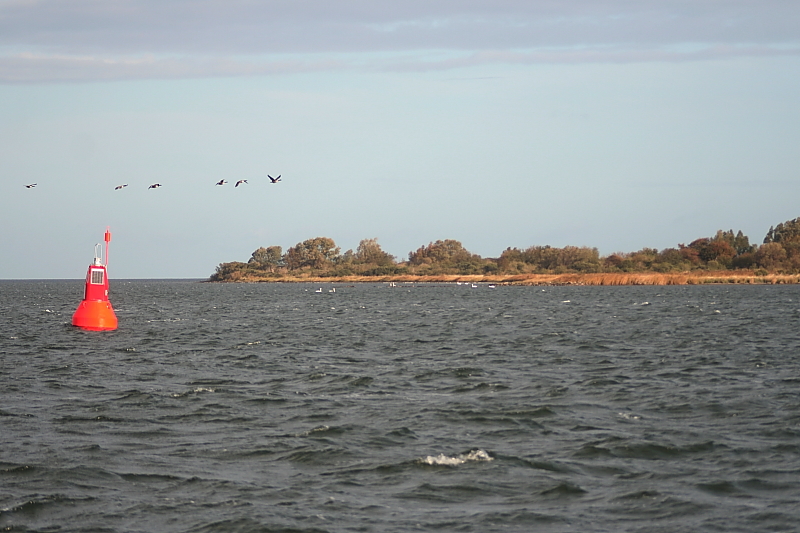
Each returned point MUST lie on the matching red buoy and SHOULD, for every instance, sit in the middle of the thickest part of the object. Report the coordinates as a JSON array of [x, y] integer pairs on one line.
[[95, 312]]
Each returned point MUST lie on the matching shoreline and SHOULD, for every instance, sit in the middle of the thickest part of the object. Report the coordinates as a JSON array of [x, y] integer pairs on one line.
[[605, 279]]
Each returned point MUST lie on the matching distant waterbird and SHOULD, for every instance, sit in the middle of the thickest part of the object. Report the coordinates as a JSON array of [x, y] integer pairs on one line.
[[274, 180], [30, 186], [221, 182], [155, 186], [118, 187], [240, 182]]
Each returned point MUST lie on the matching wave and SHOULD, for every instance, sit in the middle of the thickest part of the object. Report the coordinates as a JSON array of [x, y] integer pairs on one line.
[[456, 460]]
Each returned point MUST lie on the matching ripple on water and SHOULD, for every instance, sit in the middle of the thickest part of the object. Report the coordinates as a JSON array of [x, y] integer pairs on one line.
[[426, 408]]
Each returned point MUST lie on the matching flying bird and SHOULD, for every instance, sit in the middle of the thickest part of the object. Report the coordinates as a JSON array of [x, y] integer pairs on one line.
[[221, 182], [118, 187], [154, 186], [240, 182], [30, 186], [274, 180]]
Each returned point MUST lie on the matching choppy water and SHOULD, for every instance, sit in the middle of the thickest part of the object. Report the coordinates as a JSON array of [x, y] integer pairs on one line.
[[428, 408]]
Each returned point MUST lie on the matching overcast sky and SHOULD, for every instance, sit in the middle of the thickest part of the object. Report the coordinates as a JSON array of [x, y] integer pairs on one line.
[[616, 124]]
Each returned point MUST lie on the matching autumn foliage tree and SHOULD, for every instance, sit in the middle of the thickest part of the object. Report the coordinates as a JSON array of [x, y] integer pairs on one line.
[[321, 257], [233, 271], [369, 252], [784, 232], [448, 256], [548, 258], [447, 251], [318, 253], [267, 258]]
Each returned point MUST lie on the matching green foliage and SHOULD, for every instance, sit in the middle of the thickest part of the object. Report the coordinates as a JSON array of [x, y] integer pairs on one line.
[[269, 257], [229, 271], [321, 257], [337, 272], [317, 253], [639, 261], [547, 258], [771, 256], [491, 267], [671, 256], [448, 251], [744, 261], [388, 270], [784, 232], [721, 251], [369, 252], [739, 242]]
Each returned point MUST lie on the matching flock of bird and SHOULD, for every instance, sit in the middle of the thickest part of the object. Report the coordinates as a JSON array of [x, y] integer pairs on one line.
[[157, 185]]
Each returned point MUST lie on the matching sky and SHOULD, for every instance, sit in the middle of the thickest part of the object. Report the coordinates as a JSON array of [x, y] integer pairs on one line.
[[618, 124]]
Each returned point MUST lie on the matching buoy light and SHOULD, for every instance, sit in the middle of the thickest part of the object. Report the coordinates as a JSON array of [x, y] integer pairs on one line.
[[95, 312]]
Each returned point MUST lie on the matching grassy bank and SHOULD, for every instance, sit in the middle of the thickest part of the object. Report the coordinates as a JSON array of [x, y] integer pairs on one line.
[[618, 278]]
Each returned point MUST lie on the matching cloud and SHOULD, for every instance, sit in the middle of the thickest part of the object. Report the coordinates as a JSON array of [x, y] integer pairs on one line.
[[43, 68], [44, 40]]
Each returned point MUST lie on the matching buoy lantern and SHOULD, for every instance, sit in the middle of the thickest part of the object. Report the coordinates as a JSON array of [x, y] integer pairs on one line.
[[95, 312]]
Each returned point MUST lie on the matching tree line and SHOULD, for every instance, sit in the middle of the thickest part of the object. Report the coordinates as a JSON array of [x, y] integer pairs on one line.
[[320, 257]]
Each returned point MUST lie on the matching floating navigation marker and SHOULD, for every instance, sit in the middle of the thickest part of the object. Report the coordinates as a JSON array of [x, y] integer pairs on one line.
[[95, 312]]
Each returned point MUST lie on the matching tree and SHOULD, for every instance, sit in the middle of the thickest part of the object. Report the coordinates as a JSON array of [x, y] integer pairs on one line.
[[771, 256], [717, 250], [448, 251], [270, 257], [578, 258], [670, 256], [318, 253], [369, 252], [742, 244], [639, 261], [510, 259], [788, 231], [232, 271], [704, 250]]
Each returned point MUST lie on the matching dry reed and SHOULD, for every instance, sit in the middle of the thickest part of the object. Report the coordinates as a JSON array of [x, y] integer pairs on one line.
[[608, 279]]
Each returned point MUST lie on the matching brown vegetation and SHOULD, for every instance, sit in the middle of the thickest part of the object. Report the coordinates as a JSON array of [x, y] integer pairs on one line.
[[724, 258], [608, 279]]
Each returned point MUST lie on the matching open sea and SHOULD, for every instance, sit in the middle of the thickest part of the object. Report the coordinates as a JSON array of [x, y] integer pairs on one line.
[[415, 408]]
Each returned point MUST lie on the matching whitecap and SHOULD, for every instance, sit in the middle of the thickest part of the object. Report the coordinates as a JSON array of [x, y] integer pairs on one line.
[[318, 429], [444, 460], [196, 390]]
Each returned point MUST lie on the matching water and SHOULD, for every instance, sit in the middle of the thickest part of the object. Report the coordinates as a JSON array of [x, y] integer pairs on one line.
[[272, 407]]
